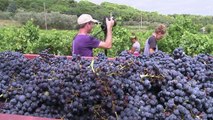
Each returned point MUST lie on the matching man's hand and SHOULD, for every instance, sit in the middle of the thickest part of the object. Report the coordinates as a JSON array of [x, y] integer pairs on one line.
[[110, 23], [151, 50]]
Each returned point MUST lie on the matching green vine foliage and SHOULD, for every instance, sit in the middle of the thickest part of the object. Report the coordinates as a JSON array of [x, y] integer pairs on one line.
[[121, 40], [30, 39], [19, 39], [58, 42], [184, 33], [194, 44]]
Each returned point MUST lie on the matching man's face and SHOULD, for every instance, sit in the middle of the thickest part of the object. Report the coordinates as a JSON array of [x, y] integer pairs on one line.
[[159, 36], [90, 26]]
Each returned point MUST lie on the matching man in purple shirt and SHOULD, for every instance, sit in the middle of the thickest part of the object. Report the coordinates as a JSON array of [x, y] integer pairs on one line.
[[83, 43]]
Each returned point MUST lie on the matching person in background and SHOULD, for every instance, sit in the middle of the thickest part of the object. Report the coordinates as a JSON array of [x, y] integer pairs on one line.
[[83, 43], [151, 42], [135, 49]]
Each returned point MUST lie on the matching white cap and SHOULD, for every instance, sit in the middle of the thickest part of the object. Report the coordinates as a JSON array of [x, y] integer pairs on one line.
[[84, 18]]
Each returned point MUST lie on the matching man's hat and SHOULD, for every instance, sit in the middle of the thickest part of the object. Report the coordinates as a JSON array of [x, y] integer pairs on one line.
[[84, 18]]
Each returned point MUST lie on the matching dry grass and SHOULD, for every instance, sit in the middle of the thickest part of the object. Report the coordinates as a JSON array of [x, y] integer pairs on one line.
[[6, 23]]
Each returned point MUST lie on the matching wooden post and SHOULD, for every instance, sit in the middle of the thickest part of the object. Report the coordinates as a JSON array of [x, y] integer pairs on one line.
[[45, 16], [141, 23]]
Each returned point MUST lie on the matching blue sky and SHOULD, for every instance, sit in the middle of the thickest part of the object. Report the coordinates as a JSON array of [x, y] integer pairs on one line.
[[195, 7]]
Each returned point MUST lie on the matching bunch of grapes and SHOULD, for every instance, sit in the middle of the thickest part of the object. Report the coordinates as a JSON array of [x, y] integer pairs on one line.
[[160, 87]]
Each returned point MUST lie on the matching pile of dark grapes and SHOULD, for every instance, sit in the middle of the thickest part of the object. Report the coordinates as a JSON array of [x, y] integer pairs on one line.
[[159, 87]]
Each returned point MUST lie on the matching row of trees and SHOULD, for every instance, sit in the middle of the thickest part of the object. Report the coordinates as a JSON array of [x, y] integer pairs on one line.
[[127, 15]]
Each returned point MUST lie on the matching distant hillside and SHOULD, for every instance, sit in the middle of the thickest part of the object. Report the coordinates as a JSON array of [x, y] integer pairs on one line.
[[126, 14]]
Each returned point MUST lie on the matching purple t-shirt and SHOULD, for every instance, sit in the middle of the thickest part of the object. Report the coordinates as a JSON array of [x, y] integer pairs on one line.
[[84, 44]]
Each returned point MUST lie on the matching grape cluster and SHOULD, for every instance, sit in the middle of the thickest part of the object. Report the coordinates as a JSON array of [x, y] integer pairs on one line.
[[162, 86], [178, 53], [102, 56]]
